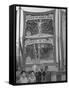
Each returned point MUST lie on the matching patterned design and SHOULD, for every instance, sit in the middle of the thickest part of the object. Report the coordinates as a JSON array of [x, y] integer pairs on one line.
[[47, 26], [31, 26], [39, 25], [30, 51], [46, 52]]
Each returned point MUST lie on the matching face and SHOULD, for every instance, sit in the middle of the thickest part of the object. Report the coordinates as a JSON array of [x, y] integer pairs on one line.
[[32, 73], [24, 74]]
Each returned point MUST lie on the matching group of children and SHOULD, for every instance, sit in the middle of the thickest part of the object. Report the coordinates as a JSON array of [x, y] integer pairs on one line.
[[31, 76], [25, 77]]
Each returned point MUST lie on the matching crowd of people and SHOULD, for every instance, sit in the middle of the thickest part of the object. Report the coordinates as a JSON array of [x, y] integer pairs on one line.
[[31, 76]]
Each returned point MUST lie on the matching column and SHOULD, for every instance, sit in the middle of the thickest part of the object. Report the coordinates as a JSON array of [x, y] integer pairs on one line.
[[56, 34], [19, 35], [39, 27]]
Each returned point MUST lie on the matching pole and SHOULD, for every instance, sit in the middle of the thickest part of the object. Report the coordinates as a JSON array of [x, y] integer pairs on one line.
[[19, 34]]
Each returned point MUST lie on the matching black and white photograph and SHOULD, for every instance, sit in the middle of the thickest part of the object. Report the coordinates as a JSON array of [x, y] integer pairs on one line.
[[40, 45]]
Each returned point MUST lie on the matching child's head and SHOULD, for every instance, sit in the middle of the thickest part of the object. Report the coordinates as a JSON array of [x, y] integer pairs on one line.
[[18, 75], [23, 74], [32, 72]]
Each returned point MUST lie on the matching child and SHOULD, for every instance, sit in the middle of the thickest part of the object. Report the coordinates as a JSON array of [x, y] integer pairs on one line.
[[23, 78], [32, 77]]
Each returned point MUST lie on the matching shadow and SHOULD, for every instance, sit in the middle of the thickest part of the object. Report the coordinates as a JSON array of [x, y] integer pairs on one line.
[[7, 82]]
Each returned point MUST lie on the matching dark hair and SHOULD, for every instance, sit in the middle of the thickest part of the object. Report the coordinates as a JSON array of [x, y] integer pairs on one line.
[[31, 72], [23, 72]]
